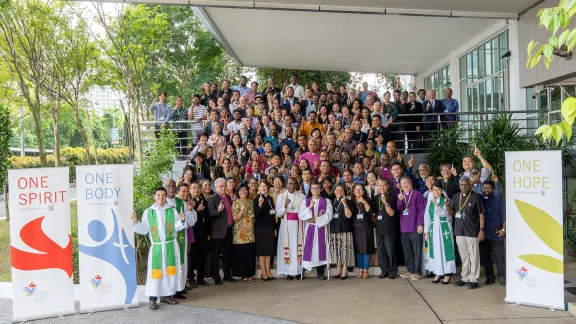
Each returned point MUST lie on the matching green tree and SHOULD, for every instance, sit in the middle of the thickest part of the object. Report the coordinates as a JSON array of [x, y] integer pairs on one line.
[[189, 58], [555, 20], [5, 138], [24, 27], [305, 77], [133, 36]]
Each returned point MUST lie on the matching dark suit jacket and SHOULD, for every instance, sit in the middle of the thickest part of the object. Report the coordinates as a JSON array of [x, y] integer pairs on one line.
[[286, 104], [415, 119], [219, 219], [262, 176], [202, 227], [438, 108]]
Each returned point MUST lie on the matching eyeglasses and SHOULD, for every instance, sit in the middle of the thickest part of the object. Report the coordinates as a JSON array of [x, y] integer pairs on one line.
[[314, 188]]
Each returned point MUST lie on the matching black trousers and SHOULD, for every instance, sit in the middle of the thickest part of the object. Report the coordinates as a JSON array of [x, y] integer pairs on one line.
[[386, 254], [222, 246], [412, 246], [493, 249], [197, 260], [320, 270], [181, 143]]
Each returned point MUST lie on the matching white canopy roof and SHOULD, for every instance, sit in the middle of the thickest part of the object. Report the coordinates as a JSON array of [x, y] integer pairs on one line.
[[385, 36]]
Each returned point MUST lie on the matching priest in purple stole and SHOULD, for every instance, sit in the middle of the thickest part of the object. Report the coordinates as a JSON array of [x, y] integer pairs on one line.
[[316, 212]]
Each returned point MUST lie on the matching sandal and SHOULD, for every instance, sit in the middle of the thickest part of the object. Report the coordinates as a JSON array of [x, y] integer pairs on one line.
[[360, 273], [436, 280], [366, 275], [246, 280], [252, 279]]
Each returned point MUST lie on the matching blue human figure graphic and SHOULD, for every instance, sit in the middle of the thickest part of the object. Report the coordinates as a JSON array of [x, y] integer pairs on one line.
[[117, 251]]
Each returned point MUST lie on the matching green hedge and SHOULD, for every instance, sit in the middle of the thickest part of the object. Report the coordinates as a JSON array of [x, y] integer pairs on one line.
[[71, 157]]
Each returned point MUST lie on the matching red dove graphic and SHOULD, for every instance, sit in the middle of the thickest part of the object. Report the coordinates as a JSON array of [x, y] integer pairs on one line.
[[53, 257]]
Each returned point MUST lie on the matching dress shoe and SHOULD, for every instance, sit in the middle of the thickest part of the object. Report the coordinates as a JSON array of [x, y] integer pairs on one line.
[[179, 296], [289, 278], [337, 276], [460, 283], [153, 305], [272, 278], [218, 283], [489, 281], [168, 300], [343, 277], [193, 284], [392, 276], [473, 285], [435, 281], [203, 283], [185, 292], [407, 275], [230, 280], [298, 277], [264, 279], [383, 275], [444, 282], [320, 277]]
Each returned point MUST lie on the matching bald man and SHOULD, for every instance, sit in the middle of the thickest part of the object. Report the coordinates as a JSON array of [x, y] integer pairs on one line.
[[312, 156]]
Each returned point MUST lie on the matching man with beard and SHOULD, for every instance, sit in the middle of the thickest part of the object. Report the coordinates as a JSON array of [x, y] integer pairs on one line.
[[493, 245], [290, 234]]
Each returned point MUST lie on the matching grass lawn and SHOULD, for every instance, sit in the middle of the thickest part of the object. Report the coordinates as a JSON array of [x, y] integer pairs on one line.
[[5, 268]]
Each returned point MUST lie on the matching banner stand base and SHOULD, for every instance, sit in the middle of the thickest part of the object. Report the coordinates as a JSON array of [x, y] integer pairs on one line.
[[92, 310], [43, 316], [563, 307]]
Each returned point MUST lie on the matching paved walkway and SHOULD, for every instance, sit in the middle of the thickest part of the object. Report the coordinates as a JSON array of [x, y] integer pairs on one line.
[[349, 301]]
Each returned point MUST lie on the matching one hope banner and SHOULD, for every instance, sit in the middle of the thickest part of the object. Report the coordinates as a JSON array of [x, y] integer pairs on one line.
[[40, 243], [106, 237], [534, 229]]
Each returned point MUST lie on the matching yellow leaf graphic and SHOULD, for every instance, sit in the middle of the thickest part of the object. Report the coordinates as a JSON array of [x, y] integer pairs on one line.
[[542, 224], [544, 262]]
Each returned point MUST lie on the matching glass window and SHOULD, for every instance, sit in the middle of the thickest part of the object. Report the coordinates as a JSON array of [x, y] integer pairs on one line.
[[469, 68], [488, 56], [503, 38], [462, 67], [474, 66], [495, 94], [475, 101], [555, 98], [495, 56], [481, 93], [481, 63]]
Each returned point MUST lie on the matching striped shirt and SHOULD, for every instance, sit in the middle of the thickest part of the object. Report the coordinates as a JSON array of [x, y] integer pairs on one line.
[[198, 111]]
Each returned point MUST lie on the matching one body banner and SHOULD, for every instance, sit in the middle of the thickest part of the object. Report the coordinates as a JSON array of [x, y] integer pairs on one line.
[[40, 243], [534, 229], [106, 237]]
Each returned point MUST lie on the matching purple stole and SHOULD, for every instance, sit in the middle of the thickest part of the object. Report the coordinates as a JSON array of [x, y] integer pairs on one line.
[[309, 240], [396, 189]]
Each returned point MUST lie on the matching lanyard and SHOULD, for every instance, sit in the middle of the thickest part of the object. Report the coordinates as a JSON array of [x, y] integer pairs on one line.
[[409, 198], [460, 202], [380, 201]]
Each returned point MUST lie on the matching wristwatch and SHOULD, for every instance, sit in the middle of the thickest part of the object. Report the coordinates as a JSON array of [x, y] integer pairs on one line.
[[482, 229]]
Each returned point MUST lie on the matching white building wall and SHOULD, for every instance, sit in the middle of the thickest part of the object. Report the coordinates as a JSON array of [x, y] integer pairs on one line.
[[453, 58]]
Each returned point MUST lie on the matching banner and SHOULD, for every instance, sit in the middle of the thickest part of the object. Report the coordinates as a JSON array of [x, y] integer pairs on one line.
[[534, 229], [106, 237], [40, 243]]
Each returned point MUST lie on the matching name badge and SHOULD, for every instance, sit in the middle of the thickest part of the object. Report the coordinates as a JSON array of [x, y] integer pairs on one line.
[[360, 216], [272, 212], [458, 215], [335, 215], [379, 217], [405, 213]]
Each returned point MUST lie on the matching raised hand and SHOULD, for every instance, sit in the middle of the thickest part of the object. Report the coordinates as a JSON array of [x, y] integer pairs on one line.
[[134, 218], [400, 196], [411, 161], [182, 216], [221, 206], [453, 170], [311, 205], [201, 206], [260, 201], [398, 156], [494, 177]]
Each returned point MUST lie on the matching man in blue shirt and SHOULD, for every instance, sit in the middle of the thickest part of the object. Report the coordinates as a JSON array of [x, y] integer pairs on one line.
[[162, 112], [493, 245], [450, 105], [242, 88]]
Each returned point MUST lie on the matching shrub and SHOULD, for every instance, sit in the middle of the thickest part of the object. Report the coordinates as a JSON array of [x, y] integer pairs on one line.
[[71, 157], [447, 148]]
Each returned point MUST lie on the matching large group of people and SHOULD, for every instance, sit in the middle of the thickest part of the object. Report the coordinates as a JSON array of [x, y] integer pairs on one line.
[[299, 178]]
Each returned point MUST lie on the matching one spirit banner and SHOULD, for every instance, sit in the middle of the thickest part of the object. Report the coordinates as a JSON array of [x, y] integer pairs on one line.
[[106, 237], [40, 243], [534, 229]]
